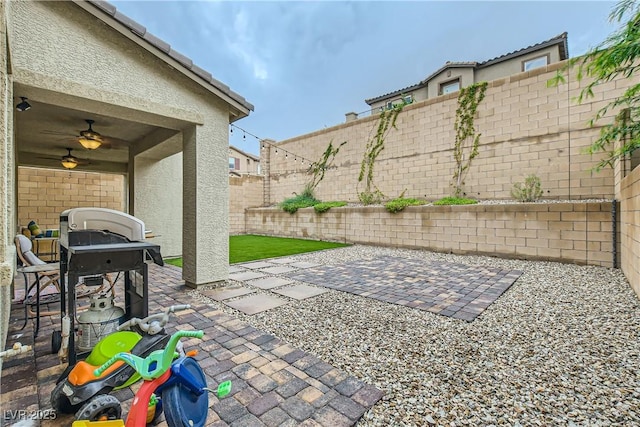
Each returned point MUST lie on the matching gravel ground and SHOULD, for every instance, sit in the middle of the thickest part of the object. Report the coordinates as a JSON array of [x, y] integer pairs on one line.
[[560, 347]]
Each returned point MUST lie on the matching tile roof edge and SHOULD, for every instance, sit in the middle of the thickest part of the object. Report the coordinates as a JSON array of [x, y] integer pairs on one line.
[[255, 158], [165, 49]]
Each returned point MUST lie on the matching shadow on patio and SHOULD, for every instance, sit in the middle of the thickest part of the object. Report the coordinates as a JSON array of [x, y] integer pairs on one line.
[[273, 382]]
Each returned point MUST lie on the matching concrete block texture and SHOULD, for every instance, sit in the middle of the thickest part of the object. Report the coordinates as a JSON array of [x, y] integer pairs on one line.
[[523, 230]]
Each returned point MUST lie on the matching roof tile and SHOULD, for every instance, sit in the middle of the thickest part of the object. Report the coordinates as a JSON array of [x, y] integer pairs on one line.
[[183, 59], [105, 6], [130, 23], [160, 44]]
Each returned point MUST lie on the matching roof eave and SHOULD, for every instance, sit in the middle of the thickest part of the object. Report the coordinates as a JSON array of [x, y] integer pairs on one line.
[[137, 33], [392, 94]]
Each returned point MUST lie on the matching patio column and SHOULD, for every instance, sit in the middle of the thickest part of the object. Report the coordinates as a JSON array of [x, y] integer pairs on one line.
[[205, 241]]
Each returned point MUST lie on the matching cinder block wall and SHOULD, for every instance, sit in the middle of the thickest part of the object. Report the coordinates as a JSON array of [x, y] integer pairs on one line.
[[527, 128], [44, 193], [244, 192], [569, 232], [630, 228]]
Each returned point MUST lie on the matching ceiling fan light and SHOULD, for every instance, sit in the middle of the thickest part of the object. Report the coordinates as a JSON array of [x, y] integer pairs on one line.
[[89, 144], [69, 163]]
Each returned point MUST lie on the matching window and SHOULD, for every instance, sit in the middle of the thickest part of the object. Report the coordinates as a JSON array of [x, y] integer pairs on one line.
[[389, 105], [408, 99], [449, 87], [534, 63], [234, 163]]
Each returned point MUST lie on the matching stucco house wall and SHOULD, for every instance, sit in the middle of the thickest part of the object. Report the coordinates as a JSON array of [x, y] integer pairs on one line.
[[514, 65], [7, 193], [465, 75], [50, 57]]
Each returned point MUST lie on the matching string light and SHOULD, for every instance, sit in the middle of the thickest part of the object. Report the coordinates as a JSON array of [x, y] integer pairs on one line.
[[264, 144]]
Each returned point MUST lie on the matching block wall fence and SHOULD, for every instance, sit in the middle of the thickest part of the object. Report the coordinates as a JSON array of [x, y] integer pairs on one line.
[[44, 193], [527, 128], [577, 232], [630, 228]]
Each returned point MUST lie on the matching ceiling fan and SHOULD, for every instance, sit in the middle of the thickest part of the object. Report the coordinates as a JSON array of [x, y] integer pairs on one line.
[[89, 138], [69, 161]]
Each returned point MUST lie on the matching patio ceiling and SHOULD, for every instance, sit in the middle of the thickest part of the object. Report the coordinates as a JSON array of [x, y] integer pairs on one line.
[[45, 131]]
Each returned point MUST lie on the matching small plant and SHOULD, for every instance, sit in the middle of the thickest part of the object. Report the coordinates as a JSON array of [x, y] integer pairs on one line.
[[397, 205], [318, 169], [304, 200], [529, 191], [455, 201], [371, 197], [325, 206]]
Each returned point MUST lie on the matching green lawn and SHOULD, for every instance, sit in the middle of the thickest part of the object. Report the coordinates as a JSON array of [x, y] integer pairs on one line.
[[249, 248]]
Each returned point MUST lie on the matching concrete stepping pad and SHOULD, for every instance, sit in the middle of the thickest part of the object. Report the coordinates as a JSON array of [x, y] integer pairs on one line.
[[257, 264], [256, 303], [300, 292], [269, 282], [304, 264], [227, 292], [247, 275], [279, 270]]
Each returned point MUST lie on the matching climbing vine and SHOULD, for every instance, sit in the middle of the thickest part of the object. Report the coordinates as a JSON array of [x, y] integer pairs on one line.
[[385, 123], [466, 136], [317, 169]]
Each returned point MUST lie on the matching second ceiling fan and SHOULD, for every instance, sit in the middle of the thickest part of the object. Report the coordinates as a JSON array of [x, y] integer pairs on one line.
[[89, 138]]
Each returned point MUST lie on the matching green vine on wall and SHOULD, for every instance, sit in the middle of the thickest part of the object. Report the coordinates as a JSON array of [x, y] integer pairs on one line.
[[386, 122], [466, 136], [317, 169]]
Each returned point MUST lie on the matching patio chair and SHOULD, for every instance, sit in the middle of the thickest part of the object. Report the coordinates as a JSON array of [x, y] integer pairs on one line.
[[46, 280], [43, 280]]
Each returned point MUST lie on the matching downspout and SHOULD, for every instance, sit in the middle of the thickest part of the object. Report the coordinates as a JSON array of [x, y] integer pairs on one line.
[[614, 228]]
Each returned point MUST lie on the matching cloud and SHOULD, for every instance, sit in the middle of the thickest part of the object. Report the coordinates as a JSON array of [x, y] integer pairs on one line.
[[243, 43]]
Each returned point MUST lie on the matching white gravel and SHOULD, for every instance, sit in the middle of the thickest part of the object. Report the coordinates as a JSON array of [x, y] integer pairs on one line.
[[560, 347]]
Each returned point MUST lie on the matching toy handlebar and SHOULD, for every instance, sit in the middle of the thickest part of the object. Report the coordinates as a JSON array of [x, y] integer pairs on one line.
[[156, 363], [150, 324]]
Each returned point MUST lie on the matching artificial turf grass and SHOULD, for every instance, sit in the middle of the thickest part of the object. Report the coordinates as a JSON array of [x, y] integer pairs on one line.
[[249, 247]]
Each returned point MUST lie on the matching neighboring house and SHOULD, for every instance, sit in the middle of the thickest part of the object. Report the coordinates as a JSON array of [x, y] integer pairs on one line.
[[241, 163], [454, 75]]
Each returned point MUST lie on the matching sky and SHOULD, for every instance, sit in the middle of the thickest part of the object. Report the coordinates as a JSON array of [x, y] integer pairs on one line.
[[303, 65]]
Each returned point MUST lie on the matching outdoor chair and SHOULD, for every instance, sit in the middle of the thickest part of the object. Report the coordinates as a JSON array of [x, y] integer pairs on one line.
[[48, 281]]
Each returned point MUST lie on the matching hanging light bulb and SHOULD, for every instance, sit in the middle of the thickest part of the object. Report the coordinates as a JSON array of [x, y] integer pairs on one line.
[[244, 135], [231, 129]]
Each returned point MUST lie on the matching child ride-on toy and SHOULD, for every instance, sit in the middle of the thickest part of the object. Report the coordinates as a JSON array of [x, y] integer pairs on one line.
[[77, 385], [181, 383]]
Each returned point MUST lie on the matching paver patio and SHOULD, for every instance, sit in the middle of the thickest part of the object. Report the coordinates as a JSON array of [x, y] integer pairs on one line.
[[273, 382], [455, 290]]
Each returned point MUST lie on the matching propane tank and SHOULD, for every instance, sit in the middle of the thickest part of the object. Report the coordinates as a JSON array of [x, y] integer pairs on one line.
[[101, 319]]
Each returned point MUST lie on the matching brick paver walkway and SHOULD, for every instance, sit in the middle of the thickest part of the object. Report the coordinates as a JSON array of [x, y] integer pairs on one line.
[[455, 290], [274, 384]]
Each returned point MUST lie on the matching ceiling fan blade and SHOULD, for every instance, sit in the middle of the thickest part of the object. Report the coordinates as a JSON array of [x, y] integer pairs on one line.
[[54, 132]]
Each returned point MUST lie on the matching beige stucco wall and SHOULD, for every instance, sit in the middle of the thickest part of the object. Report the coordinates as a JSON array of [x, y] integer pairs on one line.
[[247, 164], [464, 74], [527, 128], [629, 197], [514, 66], [568, 232], [53, 41], [159, 184], [244, 192], [7, 194]]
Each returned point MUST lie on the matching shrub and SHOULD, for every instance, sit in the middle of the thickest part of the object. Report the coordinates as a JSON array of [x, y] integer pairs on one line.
[[304, 200], [370, 197], [397, 205], [529, 191], [455, 201], [325, 206]]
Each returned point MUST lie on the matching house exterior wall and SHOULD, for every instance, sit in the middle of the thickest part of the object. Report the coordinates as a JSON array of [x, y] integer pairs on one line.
[[514, 65], [527, 128], [7, 179], [568, 232], [161, 180], [246, 163], [464, 74], [50, 55], [629, 197], [418, 94]]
